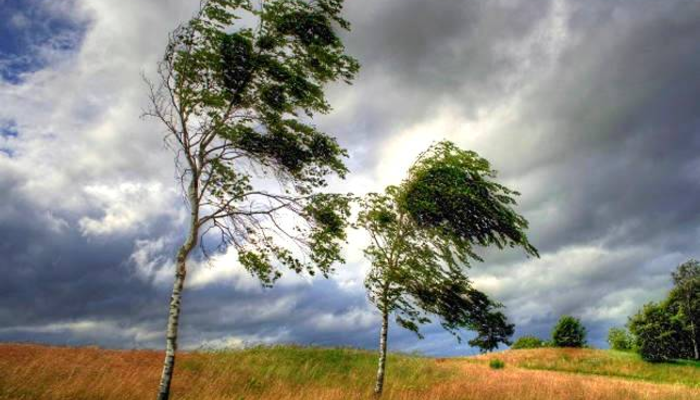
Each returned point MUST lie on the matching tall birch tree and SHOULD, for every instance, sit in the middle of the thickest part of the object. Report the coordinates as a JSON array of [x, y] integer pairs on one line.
[[237, 88], [423, 235]]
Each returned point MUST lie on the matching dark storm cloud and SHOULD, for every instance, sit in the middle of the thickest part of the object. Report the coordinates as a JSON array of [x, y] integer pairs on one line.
[[620, 152], [52, 274], [589, 108], [417, 55], [436, 48]]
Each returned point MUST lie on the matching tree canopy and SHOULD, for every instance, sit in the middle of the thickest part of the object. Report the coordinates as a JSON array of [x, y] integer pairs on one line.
[[236, 104], [668, 329], [451, 194], [528, 342], [569, 332], [620, 339], [684, 302], [658, 335]]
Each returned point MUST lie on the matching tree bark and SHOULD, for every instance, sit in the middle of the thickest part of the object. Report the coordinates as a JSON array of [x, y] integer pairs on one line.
[[379, 386], [176, 297]]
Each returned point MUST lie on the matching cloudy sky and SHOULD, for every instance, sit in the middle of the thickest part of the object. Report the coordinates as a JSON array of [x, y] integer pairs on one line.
[[591, 109]]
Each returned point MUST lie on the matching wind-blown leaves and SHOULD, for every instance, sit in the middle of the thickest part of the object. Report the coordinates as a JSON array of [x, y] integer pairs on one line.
[[237, 102], [472, 208], [423, 236]]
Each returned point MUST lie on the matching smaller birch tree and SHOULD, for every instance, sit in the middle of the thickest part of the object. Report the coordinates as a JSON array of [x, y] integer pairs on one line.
[[423, 233]]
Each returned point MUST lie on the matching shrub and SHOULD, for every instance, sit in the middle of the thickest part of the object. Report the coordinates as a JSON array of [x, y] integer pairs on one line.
[[497, 364], [620, 339], [528, 342], [569, 332]]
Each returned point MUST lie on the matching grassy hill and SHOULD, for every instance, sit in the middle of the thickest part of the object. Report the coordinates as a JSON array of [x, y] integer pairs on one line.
[[601, 362], [287, 372]]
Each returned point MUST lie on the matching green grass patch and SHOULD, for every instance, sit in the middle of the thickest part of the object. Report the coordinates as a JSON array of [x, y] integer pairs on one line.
[[620, 364], [264, 366], [497, 364]]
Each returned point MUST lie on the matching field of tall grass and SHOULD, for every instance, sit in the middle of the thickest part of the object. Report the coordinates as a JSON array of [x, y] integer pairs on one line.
[[289, 372]]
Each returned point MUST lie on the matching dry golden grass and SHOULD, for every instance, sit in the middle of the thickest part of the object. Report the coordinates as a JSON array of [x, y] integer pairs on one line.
[[286, 373]]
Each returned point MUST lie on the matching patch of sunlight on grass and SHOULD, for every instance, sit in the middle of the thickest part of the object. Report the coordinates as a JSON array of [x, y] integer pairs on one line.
[[620, 364]]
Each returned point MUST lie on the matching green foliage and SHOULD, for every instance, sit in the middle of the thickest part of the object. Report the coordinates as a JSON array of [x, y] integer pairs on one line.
[[330, 213], [684, 301], [569, 332], [668, 330], [325, 367], [451, 193], [528, 342], [419, 256], [620, 339], [495, 363], [658, 335], [237, 101]]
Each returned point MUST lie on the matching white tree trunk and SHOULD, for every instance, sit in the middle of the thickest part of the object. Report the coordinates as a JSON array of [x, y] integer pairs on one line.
[[171, 335], [379, 386], [176, 297]]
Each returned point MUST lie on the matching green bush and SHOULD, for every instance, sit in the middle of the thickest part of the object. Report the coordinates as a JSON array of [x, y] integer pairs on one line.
[[528, 342], [497, 364], [569, 332], [659, 336], [620, 339]]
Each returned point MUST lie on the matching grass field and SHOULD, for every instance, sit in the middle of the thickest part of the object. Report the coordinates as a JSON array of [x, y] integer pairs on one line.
[[601, 362], [286, 372]]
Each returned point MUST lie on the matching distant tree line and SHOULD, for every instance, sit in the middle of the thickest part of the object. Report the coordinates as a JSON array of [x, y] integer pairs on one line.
[[666, 330], [568, 332], [659, 331]]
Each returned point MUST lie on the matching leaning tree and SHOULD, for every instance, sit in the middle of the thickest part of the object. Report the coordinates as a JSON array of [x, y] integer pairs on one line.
[[237, 88], [423, 234]]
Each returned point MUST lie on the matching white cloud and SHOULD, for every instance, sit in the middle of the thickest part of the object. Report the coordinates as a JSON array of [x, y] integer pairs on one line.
[[78, 118], [353, 319], [19, 21], [94, 330], [585, 280], [223, 270], [150, 262], [237, 342], [127, 207]]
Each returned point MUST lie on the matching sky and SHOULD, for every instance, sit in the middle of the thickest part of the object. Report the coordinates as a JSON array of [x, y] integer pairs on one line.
[[588, 108]]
